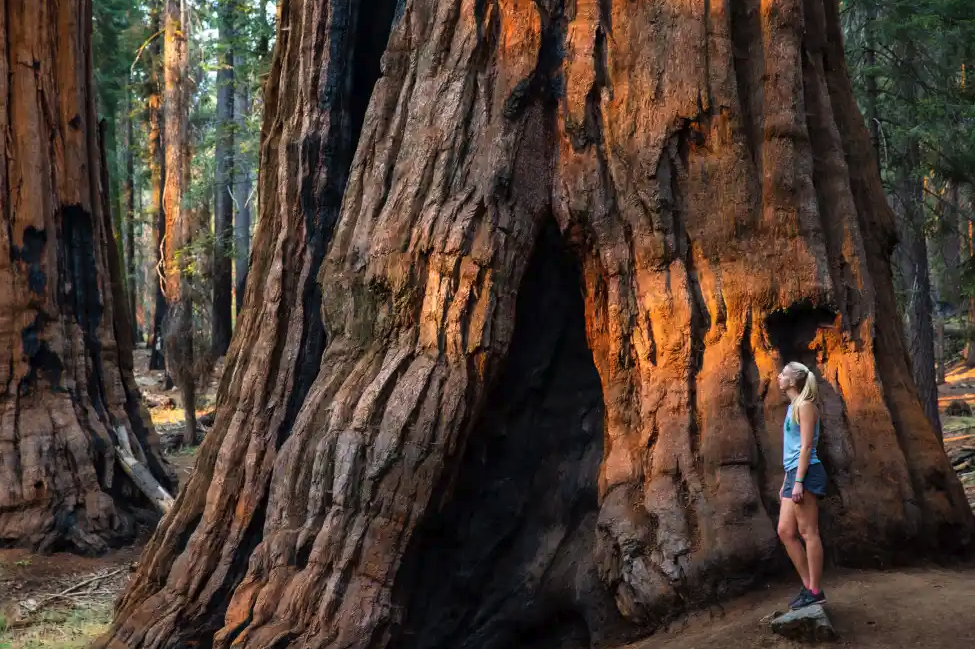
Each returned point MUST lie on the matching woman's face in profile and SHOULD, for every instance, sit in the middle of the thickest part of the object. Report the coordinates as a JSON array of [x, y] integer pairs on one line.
[[785, 379]]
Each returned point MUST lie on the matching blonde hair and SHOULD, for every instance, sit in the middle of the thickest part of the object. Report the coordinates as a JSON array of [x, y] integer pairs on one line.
[[809, 391]]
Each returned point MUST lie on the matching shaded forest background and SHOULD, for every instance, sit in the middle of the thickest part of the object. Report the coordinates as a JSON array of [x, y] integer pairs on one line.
[[910, 60], [184, 235]]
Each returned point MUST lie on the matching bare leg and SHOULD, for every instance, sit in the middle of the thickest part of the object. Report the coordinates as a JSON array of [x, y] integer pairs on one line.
[[807, 516], [789, 533]]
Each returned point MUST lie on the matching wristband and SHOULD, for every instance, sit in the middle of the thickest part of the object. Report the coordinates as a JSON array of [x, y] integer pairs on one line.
[[799, 480]]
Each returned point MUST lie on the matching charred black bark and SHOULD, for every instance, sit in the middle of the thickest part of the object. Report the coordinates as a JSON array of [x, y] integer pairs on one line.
[[326, 157]]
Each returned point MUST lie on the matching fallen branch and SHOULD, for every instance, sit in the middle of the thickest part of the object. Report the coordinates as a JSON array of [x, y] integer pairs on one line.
[[140, 475], [92, 580], [69, 593]]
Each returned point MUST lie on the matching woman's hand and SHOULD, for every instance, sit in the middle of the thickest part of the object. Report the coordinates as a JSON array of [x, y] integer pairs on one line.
[[797, 493], [782, 491]]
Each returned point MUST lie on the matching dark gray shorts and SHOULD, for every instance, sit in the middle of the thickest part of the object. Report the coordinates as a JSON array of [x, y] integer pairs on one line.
[[814, 482]]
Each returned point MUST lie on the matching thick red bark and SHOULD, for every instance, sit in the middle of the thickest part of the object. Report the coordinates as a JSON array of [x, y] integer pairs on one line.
[[65, 337], [178, 329], [706, 166]]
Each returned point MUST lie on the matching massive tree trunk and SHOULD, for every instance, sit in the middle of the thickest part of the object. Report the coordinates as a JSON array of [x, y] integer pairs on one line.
[[224, 186], [65, 338], [705, 165]]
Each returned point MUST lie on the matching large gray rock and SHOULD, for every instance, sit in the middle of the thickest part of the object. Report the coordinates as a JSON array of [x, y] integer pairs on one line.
[[809, 624]]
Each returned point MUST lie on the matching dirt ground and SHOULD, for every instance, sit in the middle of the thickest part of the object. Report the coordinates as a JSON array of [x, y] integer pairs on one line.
[[64, 601], [922, 608], [59, 601]]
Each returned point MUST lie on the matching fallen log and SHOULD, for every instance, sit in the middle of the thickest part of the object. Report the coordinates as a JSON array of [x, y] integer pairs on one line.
[[140, 475]]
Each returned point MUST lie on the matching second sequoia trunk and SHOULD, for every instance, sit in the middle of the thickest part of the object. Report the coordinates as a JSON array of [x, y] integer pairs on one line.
[[705, 166], [68, 397]]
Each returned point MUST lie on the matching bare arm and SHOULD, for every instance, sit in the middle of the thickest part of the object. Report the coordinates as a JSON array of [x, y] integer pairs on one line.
[[807, 430]]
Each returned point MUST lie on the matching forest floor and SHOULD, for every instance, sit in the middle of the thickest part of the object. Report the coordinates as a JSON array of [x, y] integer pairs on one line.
[[923, 608], [64, 601], [36, 612]]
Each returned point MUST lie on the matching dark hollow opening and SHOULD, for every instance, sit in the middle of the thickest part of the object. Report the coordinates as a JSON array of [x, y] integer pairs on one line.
[[792, 331], [507, 561], [375, 23]]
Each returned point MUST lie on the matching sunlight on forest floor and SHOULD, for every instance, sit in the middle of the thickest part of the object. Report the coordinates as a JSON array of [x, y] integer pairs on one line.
[[959, 385], [959, 430]]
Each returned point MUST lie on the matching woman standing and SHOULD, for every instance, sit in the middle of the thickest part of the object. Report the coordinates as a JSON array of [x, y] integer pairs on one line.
[[804, 483]]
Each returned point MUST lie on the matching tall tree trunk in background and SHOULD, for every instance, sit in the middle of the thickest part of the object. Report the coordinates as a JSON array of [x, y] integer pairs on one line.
[[128, 198], [944, 259], [66, 349], [702, 178], [142, 322], [243, 187], [912, 259], [224, 181], [178, 329], [157, 174], [948, 250]]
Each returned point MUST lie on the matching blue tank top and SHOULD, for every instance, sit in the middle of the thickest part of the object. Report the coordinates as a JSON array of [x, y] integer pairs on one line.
[[792, 443]]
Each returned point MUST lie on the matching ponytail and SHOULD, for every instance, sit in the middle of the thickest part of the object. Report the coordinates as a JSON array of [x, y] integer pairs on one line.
[[809, 391]]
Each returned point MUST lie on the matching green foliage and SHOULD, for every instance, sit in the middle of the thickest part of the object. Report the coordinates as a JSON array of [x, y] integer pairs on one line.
[[119, 28], [123, 71], [927, 46], [912, 64]]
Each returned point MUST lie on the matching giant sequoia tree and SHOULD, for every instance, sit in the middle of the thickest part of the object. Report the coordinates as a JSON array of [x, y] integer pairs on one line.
[[523, 278], [68, 390]]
